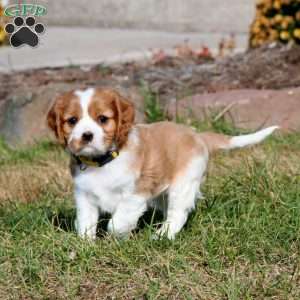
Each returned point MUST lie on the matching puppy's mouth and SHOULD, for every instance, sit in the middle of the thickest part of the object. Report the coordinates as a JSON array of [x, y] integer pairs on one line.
[[88, 150]]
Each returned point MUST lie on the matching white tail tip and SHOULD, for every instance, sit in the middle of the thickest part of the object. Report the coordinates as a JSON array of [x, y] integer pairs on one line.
[[251, 139]]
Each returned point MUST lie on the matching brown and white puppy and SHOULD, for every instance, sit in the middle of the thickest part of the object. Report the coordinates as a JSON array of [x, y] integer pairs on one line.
[[122, 168]]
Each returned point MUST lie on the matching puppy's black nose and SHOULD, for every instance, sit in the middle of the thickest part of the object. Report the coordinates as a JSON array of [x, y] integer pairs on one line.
[[87, 136]]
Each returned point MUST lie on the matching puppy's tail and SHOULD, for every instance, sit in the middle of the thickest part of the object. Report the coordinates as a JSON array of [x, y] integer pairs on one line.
[[216, 141]]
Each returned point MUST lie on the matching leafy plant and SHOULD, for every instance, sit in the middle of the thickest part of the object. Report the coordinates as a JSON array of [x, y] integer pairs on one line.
[[153, 109]]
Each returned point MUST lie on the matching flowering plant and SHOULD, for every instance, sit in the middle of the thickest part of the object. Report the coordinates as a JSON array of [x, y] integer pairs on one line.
[[276, 20], [3, 35]]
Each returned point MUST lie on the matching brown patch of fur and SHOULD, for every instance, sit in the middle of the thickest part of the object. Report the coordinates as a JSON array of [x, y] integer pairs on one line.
[[164, 151], [215, 141], [102, 104], [119, 111], [64, 107]]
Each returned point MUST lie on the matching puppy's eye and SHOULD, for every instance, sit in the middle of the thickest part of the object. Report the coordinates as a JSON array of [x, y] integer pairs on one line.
[[102, 119], [72, 121]]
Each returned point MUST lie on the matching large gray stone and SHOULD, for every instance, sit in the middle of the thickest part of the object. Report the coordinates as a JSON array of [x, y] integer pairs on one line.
[[250, 109]]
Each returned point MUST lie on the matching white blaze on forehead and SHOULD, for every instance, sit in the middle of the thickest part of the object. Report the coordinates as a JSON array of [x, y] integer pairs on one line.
[[87, 124], [85, 98]]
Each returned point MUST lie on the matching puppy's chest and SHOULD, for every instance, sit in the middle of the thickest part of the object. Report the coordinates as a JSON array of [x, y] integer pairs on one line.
[[106, 186]]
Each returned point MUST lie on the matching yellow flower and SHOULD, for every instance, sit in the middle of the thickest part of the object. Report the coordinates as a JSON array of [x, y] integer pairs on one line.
[[254, 43], [284, 35], [285, 24], [2, 35], [274, 35], [277, 4], [260, 42], [278, 18], [272, 21], [297, 33], [265, 21], [259, 14], [256, 29]]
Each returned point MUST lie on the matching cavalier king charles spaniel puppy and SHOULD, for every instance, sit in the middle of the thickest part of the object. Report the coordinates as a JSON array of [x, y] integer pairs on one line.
[[123, 168]]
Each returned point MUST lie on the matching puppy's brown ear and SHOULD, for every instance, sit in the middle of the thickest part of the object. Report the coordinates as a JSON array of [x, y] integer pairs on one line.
[[125, 119], [54, 120], [51, 119]]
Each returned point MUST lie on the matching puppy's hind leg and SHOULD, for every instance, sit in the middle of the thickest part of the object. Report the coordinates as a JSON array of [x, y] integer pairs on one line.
[[182, 197]]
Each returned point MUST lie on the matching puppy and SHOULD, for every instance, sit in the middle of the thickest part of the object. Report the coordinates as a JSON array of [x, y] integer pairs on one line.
[[122, 168]]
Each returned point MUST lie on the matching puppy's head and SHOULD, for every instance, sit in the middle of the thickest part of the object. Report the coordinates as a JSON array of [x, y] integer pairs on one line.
[[91, 122]]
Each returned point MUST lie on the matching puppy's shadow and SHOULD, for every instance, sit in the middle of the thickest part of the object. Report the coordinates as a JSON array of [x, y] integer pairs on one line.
[[151, 217], [65, 221]]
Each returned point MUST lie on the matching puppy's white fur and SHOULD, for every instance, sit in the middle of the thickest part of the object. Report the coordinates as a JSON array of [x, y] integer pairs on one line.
[[182, 196], [109, 189]]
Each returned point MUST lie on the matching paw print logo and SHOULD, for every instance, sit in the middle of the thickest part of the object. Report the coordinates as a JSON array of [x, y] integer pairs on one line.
[[24, 32]]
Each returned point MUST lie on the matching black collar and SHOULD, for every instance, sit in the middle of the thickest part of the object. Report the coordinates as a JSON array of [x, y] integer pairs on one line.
[[97, 161]]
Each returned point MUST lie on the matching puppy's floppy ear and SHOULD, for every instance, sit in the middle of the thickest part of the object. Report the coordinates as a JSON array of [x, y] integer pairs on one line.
[[51, 119], [54, 120], [125, 119]]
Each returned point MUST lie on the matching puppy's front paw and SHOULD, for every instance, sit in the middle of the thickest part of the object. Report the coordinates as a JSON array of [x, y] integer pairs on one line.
[[88, 233], [163, 232], [117, 232], [110, 227]]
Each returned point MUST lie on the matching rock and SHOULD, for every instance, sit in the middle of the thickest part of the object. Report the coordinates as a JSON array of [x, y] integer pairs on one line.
[[251, 109]]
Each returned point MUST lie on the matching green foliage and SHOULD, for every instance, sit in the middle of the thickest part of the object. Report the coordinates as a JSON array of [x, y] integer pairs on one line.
[[9, 155], [104, 70], [153, 109]]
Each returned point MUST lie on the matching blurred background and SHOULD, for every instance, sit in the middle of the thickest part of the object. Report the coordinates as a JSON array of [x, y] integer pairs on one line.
[[174, 49], [96, 31]]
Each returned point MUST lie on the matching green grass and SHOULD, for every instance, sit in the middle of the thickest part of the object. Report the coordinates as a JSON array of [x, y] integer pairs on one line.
[[242, 241]]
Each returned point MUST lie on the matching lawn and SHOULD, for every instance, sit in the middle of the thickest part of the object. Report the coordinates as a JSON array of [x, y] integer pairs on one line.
[[242, 242]]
